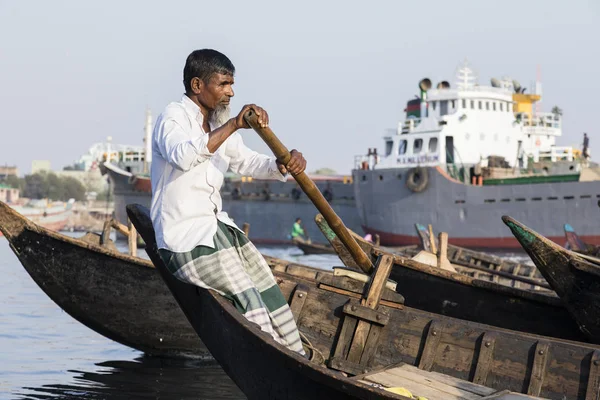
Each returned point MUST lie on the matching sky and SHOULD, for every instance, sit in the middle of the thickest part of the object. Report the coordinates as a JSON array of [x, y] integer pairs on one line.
[[333, 75]]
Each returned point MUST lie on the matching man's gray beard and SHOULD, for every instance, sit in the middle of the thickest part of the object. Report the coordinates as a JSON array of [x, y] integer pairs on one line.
[[219, 116]]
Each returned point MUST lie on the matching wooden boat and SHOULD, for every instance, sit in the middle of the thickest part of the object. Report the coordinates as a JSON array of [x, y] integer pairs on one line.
[[577, 244], [431, 355], [315, 248], [118, 296], [575, 277], [471, 258], [457, 295]]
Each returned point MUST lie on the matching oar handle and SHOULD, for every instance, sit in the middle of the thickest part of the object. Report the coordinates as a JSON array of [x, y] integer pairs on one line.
[[313, 193]]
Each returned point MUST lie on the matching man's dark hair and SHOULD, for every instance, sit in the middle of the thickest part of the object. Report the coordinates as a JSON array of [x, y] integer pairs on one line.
[[203, 64], [298, 219]]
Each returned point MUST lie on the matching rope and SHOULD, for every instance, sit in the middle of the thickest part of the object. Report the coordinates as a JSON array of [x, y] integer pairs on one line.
[[313, 350]]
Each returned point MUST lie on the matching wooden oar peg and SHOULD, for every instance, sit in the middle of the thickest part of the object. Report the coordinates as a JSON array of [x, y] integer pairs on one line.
[[312, 192], [362, 324]]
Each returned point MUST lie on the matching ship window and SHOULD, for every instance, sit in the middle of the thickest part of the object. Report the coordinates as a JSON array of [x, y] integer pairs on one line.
[[489, 201], [388, 147], [536, 198], [453, 104], [568, 197], [433, 145], [505, 200], [494, 106], [459, 201], [552, 198], [417, 146], [501, 106], [508, 107], [402, 147], [480, 105], [487, 105], [464, 103], [520, 199], [585, 196], [472, 104], [433, 104]]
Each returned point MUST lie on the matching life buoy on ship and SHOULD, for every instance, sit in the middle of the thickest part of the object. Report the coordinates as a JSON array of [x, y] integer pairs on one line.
[[417, 179]]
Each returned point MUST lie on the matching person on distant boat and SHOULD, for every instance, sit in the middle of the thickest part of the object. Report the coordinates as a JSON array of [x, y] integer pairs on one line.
[[298, 234], [194, 143], [369, 238], [586, 147]]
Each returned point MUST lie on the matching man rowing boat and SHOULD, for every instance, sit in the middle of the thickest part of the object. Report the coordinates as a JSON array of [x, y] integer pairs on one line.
[[194, 144]]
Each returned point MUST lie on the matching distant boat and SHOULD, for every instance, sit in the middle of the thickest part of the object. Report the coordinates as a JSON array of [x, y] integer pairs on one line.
[[50, 215]]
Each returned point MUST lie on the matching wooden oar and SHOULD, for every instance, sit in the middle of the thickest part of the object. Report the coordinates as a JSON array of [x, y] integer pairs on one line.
[[313, 193]]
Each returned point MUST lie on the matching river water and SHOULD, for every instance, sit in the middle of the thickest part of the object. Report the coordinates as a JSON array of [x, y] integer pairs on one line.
[[46, 354]]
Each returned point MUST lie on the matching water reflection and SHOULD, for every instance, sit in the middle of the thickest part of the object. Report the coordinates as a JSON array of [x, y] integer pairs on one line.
[[142, 378]]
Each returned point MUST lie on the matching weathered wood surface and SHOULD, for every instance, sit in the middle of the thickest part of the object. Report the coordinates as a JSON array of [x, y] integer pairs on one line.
[[562, 371], [264, 369], [460, 296], [575, 277]]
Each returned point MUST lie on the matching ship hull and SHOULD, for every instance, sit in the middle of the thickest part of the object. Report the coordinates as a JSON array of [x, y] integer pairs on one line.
[[472, 214], [270, 220]]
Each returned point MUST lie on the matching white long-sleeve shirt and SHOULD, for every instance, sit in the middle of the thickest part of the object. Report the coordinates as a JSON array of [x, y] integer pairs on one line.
[[187, 177]]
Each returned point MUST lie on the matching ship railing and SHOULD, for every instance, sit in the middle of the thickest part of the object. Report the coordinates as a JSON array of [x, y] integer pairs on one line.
[[557, 153], [544, 120], [409, 125]]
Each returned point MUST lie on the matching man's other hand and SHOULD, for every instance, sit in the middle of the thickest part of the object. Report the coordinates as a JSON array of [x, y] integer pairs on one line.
[[295, 166]]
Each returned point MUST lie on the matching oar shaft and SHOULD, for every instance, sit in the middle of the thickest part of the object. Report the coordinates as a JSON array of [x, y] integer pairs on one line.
[[313, 193]]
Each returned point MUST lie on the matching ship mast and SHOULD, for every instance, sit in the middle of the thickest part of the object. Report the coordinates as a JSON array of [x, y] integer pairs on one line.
[[148, 141]]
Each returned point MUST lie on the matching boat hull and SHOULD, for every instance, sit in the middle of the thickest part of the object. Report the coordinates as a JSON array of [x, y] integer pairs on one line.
[[118, 296], [471, 214]]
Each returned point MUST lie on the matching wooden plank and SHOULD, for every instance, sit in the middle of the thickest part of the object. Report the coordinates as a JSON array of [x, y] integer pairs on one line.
[[132, 239], [348, 293], [359, 276], [298, 299], [346, 366], [538, 370], [593, 385], [105, 237], [371, 345], [485, 358], [354, 309], [374, 290], [420, 384], [432, 245], [345, 337], [431, 344]]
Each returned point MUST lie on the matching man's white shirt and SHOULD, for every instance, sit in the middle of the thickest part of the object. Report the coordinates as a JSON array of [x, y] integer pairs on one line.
[[187, 177]]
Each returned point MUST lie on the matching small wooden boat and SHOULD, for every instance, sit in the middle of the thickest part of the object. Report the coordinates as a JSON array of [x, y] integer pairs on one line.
[[575, 277], [119, 296], [576, 244], [471, 258], [377, 345], [457, 295], [315, 248]]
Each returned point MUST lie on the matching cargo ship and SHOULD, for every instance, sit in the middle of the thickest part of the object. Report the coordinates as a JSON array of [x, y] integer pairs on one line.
[[465, 155]]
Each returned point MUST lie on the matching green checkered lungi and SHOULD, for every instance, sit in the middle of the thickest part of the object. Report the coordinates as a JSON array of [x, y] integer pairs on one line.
[[237, 270]]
